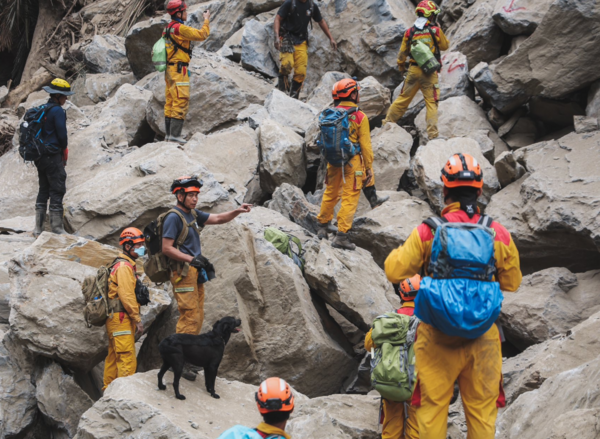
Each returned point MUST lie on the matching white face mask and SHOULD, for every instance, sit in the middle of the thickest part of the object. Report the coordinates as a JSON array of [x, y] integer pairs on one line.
[[421, 23], [141, 251]]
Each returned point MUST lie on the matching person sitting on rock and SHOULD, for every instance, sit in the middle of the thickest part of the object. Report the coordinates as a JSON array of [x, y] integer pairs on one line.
[[443, 359], [52, 176], [177, 75], [125, 321], [275, 402], [399, 418], [426, 31], [188, 286], [346, 182], [291, 39]]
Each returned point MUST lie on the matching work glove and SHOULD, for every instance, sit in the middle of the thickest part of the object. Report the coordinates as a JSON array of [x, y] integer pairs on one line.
[[199, 262], [210, 271]]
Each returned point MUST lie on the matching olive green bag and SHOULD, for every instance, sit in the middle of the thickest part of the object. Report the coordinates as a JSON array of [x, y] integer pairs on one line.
[[283, 242]]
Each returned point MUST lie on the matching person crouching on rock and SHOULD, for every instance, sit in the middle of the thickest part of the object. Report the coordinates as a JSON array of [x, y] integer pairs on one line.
[[177, 75], [275, 403], [125, 320]]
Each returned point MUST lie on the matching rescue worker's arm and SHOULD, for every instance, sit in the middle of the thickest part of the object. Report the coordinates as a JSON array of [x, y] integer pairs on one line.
[[126, 292], [169, 250], [325, 28], [403, 53], [60, 126], [222, 218], [366, 149], [191, 34], [276, 28], [369, 341], [406, 260], [443, 42], [507, 263]]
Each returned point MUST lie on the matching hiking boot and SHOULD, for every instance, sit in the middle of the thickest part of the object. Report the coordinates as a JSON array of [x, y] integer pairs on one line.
[[322, 231], [56, 221], [167, 129], [40, 219], [176, 128], [282, 84], [342, 241], [374, 199], [296, 88]]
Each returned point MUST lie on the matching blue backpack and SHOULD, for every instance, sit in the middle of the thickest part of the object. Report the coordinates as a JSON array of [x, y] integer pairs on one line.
[[334, 143], [241, 432], [31, 144], [460, 298]]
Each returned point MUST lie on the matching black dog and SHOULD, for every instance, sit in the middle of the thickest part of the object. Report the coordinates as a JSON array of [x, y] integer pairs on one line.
[[204, 350]]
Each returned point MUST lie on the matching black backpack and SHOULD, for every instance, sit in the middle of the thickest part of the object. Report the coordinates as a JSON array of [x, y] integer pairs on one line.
[[31, 144]]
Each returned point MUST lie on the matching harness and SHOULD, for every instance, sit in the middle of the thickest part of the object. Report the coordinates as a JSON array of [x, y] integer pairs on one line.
[[183, 267], [115, 305], [177, 45], [437, 53]]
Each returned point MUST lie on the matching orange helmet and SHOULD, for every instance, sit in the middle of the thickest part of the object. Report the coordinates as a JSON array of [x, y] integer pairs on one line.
[[131, 235], [175, 6], [344, 88], [274, 395], [426, 8], [410, 287], [462, 170], [188, 184]]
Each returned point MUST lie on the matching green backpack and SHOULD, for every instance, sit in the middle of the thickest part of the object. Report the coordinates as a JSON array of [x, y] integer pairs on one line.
[[393, 360], [283, 242], [159, 55], [428, 61]]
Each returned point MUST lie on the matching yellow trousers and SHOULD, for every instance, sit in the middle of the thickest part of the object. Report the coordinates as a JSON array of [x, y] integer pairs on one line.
[[396, 425], [476, 364], [177, 92], [295, 62], [120, 361], [428, 84], [348, 191], [190, 301]]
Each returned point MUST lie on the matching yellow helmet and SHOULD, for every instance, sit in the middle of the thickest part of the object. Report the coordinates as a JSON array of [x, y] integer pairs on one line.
[[59, 87]]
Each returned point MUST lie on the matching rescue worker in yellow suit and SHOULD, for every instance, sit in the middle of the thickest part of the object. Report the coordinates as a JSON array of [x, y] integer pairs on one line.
[[426, 31], [125, 320], [399, 418], [442, 359], [177, 75], [346, 182]]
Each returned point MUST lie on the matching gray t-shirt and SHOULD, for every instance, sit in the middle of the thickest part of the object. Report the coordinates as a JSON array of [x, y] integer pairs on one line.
[[172, 227]]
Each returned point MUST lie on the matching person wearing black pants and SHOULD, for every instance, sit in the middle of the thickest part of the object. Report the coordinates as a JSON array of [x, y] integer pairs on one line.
[[51, 166]]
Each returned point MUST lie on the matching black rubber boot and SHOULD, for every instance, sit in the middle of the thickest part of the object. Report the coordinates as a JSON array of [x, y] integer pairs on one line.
[[283, 84], [56, 221], [296, 88], [342, 241], [40, 219], [322, 231], [176, 128], [167, 129], [374, 199]]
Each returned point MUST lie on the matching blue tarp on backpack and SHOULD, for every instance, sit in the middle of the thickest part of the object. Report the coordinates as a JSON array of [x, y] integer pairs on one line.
[[334, 142], [460, 298], [241, 432]]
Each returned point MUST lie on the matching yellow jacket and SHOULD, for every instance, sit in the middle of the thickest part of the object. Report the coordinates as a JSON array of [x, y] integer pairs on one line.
[[184, 35], [121, 284], [360, 133], [270, 430], [415, 253], [424, 35]]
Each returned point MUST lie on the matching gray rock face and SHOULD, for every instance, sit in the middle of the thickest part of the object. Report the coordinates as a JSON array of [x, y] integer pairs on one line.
[[430, 159], [508, 169], [584, 124], [255, 50], [374, 98], [593, 103], [379, 231], [518, 17], [291, 202], [129, 105], [320, 95], [95, 88], [552, 213], [290, 112], [282, 157], [60, 399], [106, 54], [548, 303], [391, 151]]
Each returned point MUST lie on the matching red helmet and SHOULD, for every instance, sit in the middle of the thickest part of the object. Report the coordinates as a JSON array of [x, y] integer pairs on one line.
[[187, 183], [426, 8], [344, 88], [175, 6], [410, 287], [131, 235], [274, 395], [462, 170]]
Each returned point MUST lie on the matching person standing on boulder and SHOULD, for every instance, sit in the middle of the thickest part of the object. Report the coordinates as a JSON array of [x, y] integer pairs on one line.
[[52, 176], [275, 402], [177, 75], [424, 30], [442, 358], [346, 181], [125, 321], [291, 39]]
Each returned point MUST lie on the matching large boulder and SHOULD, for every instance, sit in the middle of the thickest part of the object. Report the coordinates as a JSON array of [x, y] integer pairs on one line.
[[548, 303], [461, 117], [384, 229], [255, 50], [106, 54], [374, 98], [391, 155], [282, 158], [94, 88], [320, 95], [291, 202], [10, 245], [593, 102], [543, 64], [215, 83], [552, 211], [508, 169], [431, 158], [290, 112], [520, 17]]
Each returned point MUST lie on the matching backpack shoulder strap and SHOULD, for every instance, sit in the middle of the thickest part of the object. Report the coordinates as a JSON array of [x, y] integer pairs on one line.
[[411, 34], [296, 241], [485, 221], [437, 53], [434, 222], [117, 261], [185, 227], [175, 43]]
